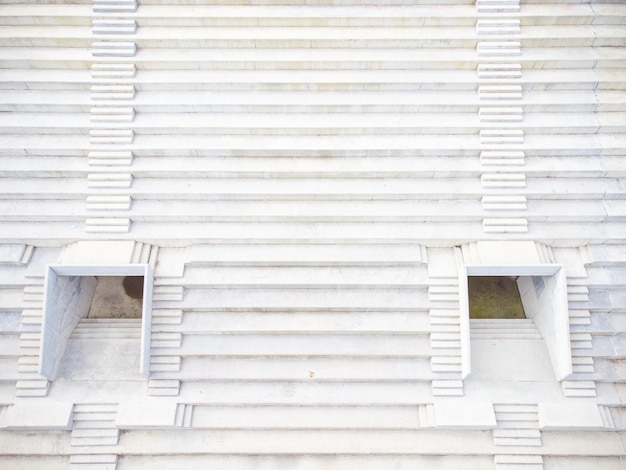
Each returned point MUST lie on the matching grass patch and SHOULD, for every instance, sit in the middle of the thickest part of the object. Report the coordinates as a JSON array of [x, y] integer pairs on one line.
[[494, 297]]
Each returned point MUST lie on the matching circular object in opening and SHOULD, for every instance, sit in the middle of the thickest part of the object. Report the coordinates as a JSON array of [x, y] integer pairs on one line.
[[133, 286]]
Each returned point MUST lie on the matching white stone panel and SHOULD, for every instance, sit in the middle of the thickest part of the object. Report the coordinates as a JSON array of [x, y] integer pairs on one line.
[[146, 414], [28, 415], [464, 414]]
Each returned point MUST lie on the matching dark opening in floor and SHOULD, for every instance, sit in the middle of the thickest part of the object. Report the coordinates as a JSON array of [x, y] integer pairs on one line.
[[117, 297], [494, 297]]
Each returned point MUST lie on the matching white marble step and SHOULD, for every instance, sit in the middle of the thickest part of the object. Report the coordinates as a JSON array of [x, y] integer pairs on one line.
[[305, 276], [308, 417], [21, 78], [278, 166], [301, 369], [303, 345], [301, 321], [66, 232], [233, 101]]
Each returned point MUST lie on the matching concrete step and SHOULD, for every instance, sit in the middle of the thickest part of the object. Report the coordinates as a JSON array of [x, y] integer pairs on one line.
[[308, 417], [301, 368], [312, 255], [304, 321], [306, 345], [305, 276]]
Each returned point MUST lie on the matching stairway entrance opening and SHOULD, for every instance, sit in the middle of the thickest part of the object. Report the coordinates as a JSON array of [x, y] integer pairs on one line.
[[94, 316], [513, 293]]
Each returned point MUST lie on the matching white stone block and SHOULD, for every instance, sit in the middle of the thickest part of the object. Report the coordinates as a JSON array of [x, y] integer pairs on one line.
[[464, 414], [11, 253], [98, 253], [569, 416], [149, 413], [40, 415], [507, 253]]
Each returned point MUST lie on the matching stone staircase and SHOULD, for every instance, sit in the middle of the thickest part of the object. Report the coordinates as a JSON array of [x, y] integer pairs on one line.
[[501, 115], [498, 328], [108, 328], [517, 437], [94, 437], [445, 321], [273, 90], [297, 318]]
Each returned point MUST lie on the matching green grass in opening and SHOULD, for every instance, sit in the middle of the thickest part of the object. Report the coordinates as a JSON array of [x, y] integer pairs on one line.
[[494, 297]]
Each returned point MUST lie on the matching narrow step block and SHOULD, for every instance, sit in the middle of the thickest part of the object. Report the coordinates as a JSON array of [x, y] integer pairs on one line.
[[445, 346], [165, 363], [517, 433], [518, 459], [498, 26], [31, 388], [506, 335], [578, 388], [113, 49], [442, 297], [114, 6], [114, 26], [523, 410], [168, 293], [167, 317], [503, 180], [112, 114], [108, 225], [497, 6], [501, 136], [583, 365], [111, 136], [91, 466], [110, 459], [516, 442], [500, 92], [502, 158], [111, 203], [579, 317], [504, 203], [446, 368], [94, 411], [33, 293], [583, 369], [112, 92], [499, 48], [108, 71], [95, 433], [500, 114], [166, 340], [94, 441], [110, 158], [505, 225], [607, 417], [169, 388], [184, 415], [444, 313], [109, 180], [437, 336], [445, 360], [447, 388], [32, 316], [500, 71]]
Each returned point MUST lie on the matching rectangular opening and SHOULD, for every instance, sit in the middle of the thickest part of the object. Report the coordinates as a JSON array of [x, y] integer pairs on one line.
[[538, 293], [112, 300]]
